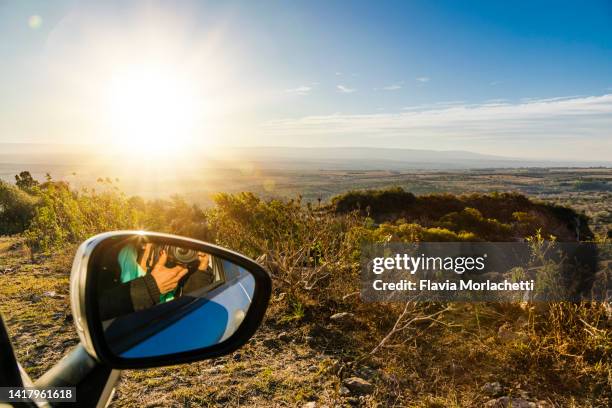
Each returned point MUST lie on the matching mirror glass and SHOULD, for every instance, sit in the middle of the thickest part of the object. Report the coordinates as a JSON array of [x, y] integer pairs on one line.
[[156, 299]]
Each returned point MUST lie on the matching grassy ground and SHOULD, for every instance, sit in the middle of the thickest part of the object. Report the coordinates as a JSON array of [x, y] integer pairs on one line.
[[300, 355], [35, 304]]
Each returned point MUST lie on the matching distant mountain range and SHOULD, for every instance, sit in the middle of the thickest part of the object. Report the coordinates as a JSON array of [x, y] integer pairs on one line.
[[328, 158], [367, 158]]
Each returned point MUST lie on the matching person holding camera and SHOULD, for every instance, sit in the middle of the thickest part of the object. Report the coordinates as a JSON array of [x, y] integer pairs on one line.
[[135, 289], [198, 264], [154, 277]]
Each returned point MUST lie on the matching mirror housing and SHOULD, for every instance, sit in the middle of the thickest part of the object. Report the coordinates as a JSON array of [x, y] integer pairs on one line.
[[84, 294]]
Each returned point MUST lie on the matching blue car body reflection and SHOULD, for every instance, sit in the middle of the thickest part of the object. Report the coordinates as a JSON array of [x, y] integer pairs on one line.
[[202, 327], [217, 317]]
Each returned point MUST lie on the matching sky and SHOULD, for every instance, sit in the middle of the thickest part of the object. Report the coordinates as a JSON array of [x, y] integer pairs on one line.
[[528, 79]]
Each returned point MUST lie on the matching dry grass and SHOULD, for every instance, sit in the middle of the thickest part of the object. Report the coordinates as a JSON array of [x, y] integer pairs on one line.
[[561, 354], [34, 302]]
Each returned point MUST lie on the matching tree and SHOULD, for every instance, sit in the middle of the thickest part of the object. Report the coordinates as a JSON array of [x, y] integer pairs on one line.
[[25, 181]]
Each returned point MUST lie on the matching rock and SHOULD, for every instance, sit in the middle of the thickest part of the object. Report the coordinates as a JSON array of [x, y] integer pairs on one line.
[[34, 298], [342, 317], [358, 385], [310, 404], [507, 402], [214, 369], [366, 372], [344, 391], [53, 294], [283, 336], [313, 369], [492, 389]]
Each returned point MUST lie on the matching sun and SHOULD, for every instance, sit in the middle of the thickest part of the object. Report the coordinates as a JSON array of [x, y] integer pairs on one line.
[[153, 109]]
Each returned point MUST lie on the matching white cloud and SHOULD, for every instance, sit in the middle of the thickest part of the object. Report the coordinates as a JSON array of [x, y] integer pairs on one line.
[[300, 90], [432, 106], [423, 79], [345, 89], [556, 99], [556, 126], [392, 87]]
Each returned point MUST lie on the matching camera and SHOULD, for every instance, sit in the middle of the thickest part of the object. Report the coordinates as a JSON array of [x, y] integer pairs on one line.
[[178, 256], [182, 256]]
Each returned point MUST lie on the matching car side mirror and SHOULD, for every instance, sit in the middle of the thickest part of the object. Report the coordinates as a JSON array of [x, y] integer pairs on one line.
[[144, 299]]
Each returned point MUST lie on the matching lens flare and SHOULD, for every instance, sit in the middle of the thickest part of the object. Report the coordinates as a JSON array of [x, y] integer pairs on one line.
[[35, 21]]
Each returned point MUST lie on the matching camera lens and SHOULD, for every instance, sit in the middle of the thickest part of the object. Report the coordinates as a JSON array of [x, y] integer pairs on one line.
[[184, 255]]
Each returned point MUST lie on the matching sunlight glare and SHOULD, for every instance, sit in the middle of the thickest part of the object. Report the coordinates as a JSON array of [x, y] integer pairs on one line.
[[153, 109]]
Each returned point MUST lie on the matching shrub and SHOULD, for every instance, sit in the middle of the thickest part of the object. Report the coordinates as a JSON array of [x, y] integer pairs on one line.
[[444, 235], [404, 232], [64, 216], [471, 220], [428, 209], [16, 209], [392, 200], [303, 247], [593, 185], [174, 216]]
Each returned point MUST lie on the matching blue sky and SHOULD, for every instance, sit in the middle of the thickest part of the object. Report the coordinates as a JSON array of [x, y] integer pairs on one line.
[[528, 79]]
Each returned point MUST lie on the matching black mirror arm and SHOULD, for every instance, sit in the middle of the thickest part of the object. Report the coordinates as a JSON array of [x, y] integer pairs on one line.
[[94, 381], [11, 374]]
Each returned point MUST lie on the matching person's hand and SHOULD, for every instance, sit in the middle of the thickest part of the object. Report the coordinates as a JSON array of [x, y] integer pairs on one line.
[[166, 278], [203, 258]]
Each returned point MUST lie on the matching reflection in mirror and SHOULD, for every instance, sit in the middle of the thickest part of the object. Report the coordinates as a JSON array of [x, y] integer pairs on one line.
[[156, 299]]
